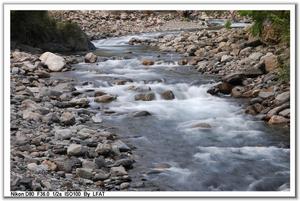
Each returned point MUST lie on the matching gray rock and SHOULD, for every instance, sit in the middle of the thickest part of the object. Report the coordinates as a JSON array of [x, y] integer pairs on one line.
[[37, 168], [255, 56], [237, 78], [285, 113], [118, 171], [100, 162], [226, 58], [104, 149], [80, 102], [63, 134], [89, 164], [124, 185], [100, 175], [278, 109], [85, 133], [127, 163], [140, 89], [282, 98], [265, 94], [68, 164], [46, 185], [29, 115], [75, 150], [84, 173], [121, 146], [202, 125], [15, 70], [141, 114]]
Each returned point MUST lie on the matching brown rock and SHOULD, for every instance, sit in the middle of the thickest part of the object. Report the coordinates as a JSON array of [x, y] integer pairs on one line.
[[147, 62], [237, 91], [51, 165], [68, 118], [168, 95], [258, 107], [183, 62], [90, 58], [99, 93], [194, 61], [145, 97], [104, 99], [276, 119], [271, 62], [202, 125]]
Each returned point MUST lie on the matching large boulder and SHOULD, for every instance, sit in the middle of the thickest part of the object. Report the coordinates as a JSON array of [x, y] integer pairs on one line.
[[52, 61], [90, 58]]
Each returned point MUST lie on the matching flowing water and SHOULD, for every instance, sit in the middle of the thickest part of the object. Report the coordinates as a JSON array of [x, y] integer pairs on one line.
[[195, 142]]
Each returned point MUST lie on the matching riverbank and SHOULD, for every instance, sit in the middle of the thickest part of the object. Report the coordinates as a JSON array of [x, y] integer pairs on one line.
[[247, 68], [102, 24], [154, 99], [57, 142]]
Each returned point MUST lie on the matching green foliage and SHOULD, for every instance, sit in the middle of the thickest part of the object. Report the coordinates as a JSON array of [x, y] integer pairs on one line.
[[280, 21], [71, 34], [227, 24], [32, 27], [284, 73], [37, 29]]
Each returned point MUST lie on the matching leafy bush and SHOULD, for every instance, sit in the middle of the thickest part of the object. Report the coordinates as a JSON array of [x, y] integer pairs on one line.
[[32, 27], [280, 21], [37, 29]]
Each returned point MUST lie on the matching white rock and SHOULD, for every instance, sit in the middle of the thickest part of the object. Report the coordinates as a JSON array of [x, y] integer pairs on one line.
[[52, 61], [74, 149], [63, 134]]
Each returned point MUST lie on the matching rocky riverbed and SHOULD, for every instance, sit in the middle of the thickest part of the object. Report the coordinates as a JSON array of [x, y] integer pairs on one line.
[[152, 112], [57, 143], [247, 67], [101, 24]]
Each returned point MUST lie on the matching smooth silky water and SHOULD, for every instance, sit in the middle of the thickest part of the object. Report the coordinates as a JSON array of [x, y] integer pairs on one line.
[[237, 152]]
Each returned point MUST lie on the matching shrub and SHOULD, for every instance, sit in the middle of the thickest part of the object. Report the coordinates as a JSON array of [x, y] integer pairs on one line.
[[279, 20], [36, 28], [227, 24], [32, 27]]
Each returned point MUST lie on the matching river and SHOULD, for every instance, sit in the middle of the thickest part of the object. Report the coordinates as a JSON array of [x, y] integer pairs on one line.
[[195, 142]]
